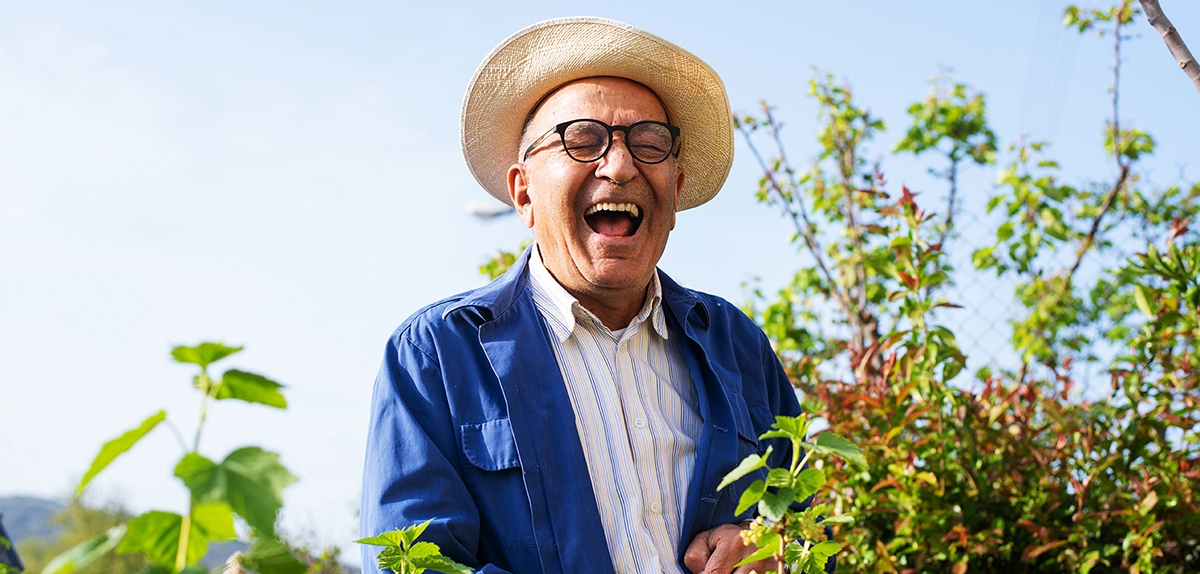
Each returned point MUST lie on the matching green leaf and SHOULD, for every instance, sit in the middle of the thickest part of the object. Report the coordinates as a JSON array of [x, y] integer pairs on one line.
[[155, 534], [214, 521], [829, 443], [774, 505], [86, 552], [269, 556], [795, 428], [250, 480], [748, 465], [203, 354], [251, 388], [820, 555], [422, 549], [839, 519], [118, 446], [810, 481], [440, 564], [393, 538], [751, 496], [1142, 301], [769, 545]]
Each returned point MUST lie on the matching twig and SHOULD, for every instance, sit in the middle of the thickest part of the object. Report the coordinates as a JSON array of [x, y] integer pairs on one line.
[[806, 228], [1170, 36], [1104, 207]]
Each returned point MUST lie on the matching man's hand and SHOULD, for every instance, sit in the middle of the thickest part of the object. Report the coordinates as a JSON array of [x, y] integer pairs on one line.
[[716, 551]]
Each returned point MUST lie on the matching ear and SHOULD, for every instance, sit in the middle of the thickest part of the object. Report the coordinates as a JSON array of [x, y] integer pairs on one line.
[[678, 189], [518, 193]]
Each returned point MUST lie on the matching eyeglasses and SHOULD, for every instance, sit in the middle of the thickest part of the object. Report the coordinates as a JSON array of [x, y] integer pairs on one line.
[[589, 140]]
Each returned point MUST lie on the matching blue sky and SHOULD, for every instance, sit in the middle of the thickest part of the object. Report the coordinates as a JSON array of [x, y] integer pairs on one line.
[[287, 176]]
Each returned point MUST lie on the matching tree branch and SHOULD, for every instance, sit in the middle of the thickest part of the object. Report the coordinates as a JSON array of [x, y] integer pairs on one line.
[[805, 228], [1179, 50]]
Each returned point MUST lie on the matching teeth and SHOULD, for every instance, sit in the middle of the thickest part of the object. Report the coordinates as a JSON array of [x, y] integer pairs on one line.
[[628, 207]]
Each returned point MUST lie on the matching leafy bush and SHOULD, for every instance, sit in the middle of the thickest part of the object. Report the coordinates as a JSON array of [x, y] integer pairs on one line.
[[1014, 471]]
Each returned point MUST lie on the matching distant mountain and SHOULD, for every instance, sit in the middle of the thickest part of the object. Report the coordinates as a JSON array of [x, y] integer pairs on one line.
[[30, 517]]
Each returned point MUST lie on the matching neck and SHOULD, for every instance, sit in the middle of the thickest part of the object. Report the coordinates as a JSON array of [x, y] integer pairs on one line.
[[614, 312]]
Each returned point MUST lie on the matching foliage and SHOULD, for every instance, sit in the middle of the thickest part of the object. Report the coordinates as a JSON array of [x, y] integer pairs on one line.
[[501, 261], [1014, 472], [402, 553], [80, 523], [780, 531], [247, 484]]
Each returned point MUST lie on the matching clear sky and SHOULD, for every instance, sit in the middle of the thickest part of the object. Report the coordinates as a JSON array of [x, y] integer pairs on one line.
[[287, 176]]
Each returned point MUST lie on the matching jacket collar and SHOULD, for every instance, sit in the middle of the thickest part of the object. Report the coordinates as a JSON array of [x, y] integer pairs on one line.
[[495, 298]]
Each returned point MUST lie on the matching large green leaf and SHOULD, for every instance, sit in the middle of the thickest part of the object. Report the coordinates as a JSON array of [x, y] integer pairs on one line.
[[85, 553], [251, 388], [774, 505], [214, 521], [829, 443], [203, 354], [403, 537], [269, 556], [118, 446], [155, 534], [809, 482], [440, 564], [751, 496], [203, 477], [748, 465], [250, 480], [820, 555]]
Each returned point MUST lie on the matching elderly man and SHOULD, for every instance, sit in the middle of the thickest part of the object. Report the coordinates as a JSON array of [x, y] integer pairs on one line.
[[577, 414]]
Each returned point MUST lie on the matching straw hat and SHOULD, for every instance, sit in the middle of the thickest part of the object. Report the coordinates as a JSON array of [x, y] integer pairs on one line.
[[533, 62]]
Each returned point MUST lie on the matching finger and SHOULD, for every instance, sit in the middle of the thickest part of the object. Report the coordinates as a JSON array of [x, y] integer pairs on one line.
[[696, 556], [728, 550]]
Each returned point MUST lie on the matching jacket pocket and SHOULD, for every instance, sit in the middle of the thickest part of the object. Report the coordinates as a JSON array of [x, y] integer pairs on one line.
[[490, 445], [745, 424], [498, 489]]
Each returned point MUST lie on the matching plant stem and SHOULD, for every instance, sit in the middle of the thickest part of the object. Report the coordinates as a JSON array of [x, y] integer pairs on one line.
[[185, 529]]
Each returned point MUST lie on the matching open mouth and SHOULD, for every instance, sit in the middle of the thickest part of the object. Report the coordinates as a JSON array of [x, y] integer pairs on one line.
[[614, 219]]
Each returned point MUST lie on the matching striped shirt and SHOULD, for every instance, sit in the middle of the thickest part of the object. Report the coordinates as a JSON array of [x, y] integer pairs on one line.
[[638, 417]]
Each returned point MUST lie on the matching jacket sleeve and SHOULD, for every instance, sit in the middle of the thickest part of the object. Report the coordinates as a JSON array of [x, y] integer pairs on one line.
[[412, 471]]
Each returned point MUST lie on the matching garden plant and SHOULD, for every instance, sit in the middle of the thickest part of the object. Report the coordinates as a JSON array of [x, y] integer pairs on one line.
[[247, 484]]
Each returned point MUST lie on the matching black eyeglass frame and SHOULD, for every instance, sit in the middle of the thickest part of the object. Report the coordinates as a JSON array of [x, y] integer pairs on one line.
[[561, 130]]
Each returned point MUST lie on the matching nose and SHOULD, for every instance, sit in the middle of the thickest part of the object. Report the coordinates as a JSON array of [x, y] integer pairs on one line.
[[618, 164]]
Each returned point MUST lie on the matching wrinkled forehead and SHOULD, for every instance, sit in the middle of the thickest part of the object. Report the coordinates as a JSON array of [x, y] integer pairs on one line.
[[611, 83]]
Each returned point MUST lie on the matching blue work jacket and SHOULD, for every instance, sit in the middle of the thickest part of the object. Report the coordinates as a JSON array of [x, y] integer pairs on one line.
[[471, 426]]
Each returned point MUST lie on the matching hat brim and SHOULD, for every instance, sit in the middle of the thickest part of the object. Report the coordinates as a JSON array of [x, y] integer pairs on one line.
[[536, 60]]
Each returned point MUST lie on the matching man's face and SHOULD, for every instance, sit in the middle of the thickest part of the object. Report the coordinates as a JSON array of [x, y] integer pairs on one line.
[[589, 238]]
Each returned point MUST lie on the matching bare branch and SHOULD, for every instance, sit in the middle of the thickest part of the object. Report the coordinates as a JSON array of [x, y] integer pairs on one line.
[[1179, 50], [799, 219], [1104, 207]]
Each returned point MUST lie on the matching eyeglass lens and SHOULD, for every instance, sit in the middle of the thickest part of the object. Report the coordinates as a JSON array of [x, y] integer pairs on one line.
[[588, 140]]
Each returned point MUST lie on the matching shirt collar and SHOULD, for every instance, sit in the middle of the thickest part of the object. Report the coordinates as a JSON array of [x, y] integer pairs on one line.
[[561, 309]]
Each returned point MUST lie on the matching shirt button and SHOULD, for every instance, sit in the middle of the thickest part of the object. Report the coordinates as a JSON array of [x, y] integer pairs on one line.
[[640, 423], [655, 507]]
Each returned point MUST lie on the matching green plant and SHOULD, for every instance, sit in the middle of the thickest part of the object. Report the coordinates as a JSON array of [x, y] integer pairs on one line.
[[248, 484], [1016, 471], [402, 553], [788, 535]]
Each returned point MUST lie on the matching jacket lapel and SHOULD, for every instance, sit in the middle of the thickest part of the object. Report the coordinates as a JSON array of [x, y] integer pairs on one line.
[[717, 447], [566, 521]]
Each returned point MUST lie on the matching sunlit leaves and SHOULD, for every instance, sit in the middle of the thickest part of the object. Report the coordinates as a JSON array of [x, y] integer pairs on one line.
[[203, 354], [251, 388], [748, 465], [114, 448], [404, 555], [268, 556], [250, 480], [85, 553]]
